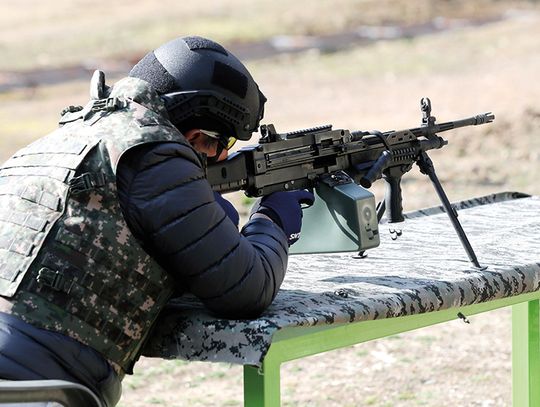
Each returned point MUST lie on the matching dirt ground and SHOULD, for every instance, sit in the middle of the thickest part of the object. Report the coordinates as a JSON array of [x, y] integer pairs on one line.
[[465, 71]]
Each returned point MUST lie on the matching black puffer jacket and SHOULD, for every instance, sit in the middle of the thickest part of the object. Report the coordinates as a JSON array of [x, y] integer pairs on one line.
[[169, 206]]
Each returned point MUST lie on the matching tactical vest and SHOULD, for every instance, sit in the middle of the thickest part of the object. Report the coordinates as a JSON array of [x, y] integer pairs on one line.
[[68, 261]]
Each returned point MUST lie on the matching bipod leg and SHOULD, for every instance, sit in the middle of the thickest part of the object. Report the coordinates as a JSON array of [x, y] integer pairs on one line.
[[427, 168]]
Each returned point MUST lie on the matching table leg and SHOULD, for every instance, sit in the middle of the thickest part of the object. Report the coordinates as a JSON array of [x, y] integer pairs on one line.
[[262, 386], [526, 354]]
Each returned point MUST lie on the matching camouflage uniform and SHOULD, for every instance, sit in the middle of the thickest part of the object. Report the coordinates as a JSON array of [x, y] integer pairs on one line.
[[62, 229]]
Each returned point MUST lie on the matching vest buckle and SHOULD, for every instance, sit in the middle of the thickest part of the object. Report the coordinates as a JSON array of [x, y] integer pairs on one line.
[[86, 182], [108, 105], [51, 278]]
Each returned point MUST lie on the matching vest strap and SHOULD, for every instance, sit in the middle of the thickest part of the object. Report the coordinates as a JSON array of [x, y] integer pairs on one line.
[[54, 279], [87, 181]]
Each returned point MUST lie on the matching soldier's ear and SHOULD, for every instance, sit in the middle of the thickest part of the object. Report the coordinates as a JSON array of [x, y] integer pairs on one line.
[[191, 134]]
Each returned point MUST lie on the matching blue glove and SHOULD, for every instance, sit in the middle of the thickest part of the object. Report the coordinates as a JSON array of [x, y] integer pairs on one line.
[[284, 208], [228, 207]]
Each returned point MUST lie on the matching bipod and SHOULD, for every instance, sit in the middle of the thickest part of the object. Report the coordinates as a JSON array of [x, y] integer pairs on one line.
[[426, 167]]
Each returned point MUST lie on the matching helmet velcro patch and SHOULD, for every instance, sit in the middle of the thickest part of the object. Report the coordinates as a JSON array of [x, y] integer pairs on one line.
[[230, 79], [195, 43], [149, 69]]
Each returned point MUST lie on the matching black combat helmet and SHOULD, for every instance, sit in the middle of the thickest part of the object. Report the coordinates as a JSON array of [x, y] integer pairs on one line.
[[204, 86]]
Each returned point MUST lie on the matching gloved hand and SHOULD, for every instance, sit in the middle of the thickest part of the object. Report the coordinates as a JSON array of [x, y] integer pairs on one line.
[[284, 208], [228, 207]]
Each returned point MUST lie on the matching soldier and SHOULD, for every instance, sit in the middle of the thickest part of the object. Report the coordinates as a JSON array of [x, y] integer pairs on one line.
[[105, 219]]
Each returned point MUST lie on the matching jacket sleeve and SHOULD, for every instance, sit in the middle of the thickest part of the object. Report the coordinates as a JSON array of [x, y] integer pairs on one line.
[[169, 206]]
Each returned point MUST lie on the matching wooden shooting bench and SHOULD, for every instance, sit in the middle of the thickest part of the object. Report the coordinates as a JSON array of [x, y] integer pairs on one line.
[[329, 301]]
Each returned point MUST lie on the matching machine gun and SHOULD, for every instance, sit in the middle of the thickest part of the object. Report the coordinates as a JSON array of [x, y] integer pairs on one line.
[[340, 165]]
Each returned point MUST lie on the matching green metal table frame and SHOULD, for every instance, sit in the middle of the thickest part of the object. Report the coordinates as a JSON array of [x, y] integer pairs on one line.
[[262, 385]]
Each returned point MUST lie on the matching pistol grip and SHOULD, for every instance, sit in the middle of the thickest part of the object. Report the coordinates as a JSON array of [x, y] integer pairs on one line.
[[392, 197]]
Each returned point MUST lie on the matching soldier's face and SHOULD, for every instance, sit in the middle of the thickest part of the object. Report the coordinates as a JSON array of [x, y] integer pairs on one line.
[[204, 144]]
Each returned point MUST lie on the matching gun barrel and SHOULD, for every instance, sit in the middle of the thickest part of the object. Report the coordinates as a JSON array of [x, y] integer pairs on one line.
[[428, 131], [474, 121]]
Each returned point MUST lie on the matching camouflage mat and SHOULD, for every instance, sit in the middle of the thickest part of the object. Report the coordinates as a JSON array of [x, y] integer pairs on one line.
[[425, 269]]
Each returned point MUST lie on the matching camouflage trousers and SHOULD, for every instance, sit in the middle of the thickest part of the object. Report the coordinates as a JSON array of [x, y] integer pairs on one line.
[[30, 353]]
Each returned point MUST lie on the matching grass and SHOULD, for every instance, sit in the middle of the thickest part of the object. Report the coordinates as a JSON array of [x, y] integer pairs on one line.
[[371, 401]]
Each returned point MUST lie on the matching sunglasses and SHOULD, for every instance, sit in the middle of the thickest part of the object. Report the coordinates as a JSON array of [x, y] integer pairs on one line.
[[226, 142]]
